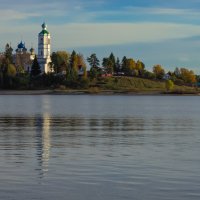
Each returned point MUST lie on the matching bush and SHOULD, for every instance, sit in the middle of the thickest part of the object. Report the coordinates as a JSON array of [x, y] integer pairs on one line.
[[169, 85], [94, 90]]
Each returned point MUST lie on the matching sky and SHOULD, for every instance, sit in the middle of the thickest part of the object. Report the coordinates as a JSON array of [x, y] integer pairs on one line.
[[154, 31]]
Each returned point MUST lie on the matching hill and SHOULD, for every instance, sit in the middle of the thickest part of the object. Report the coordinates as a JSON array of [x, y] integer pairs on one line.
[[139, 85]]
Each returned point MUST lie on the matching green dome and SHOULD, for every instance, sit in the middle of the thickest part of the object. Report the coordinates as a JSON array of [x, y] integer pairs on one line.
[[43, 32]]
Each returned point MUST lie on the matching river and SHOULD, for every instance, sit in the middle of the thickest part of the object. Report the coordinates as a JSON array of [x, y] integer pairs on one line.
[[76, 147]]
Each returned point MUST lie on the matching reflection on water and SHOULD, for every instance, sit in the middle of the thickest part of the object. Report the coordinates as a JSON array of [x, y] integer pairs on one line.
[[102, 151], [43, 142]]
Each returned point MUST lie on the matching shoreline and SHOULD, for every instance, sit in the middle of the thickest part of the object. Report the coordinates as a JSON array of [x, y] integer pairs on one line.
[[87, 92]]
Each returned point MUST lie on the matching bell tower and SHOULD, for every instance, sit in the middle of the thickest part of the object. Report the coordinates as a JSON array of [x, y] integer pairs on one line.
[[44, 49]]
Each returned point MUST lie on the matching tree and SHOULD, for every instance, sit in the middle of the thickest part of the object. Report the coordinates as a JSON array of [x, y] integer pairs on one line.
[[81, 61], [35, 69], [128, 66], [158, 71], [94, 72], [73, 63], [177, 72], [93, 61], [187, 76], [8, 53], [82, 65], [113, 62], [124, 64], [7, 73], [11, 70], [131, 65], [60, 61], [169, 85], [118, 66], [108, 65], [140, 65]]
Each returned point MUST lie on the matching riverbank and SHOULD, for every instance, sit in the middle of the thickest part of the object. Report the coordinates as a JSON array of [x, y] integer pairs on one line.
[[89, 92], [110, 86]]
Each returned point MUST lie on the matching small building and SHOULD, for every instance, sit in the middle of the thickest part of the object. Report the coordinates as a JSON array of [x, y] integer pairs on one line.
[[166, 77]]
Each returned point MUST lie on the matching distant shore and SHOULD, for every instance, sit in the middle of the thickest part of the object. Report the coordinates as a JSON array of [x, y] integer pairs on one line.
[[87, 92]]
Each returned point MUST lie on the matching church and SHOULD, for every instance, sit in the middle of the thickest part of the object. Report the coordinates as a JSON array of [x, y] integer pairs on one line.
[[24, 59], [44, 49]]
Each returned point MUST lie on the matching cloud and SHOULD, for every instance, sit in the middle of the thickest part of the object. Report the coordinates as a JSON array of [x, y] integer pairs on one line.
[[92, 34], [100, 34], [7, 15]]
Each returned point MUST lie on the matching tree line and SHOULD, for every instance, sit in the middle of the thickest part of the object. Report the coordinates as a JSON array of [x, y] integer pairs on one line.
[[71, 70]]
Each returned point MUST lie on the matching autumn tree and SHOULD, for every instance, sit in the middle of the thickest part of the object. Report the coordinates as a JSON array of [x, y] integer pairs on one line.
[[82, 65], [187, 76], [128, 66], [140, 65], [7, 73], [159, 71], [73, 65]]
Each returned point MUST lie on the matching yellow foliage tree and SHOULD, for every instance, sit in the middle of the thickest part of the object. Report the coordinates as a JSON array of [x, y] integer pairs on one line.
[[11, 70], [188, 75], [159, 71]]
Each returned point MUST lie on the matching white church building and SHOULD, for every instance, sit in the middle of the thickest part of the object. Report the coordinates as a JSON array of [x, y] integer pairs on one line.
[[44, 49]]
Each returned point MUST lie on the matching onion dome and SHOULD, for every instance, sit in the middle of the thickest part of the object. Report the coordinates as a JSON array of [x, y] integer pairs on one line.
[[32, 50], [44, 31], [21, 45]]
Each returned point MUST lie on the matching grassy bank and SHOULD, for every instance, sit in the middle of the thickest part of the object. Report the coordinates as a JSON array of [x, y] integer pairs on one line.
[[113, 85], [140, 85]]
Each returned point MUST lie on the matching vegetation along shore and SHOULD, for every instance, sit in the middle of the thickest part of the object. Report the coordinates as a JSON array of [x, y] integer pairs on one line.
[[70, 75]]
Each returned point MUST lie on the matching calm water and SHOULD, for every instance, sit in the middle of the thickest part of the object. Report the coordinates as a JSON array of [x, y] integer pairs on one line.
[[99, 147]]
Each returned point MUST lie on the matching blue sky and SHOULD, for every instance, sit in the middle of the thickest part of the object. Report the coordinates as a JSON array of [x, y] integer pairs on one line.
[[154, 31]]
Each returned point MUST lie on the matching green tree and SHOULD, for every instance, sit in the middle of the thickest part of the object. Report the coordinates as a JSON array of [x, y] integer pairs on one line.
[[108, 65], [124, 64], [94, 73], [35, 69], [8, 53], [169, 85], [113, 61], [60, 61], [118, 66], [93, 61]]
